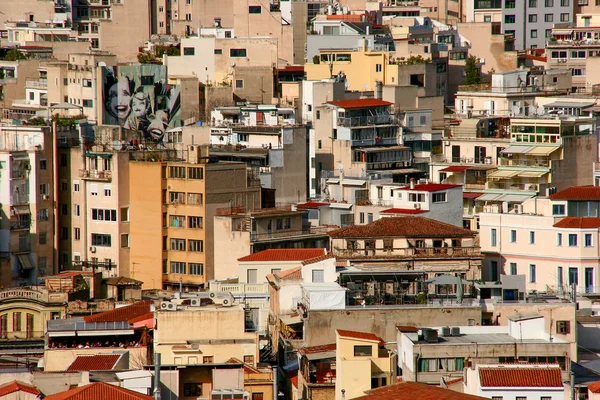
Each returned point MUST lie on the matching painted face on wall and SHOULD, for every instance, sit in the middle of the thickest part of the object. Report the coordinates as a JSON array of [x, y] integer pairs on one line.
[[140, 104], [158, 125], [120, 98]]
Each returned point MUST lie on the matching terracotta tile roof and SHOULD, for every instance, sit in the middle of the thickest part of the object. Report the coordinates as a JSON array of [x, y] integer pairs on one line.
[[317, 349], [293, 273], [72, 273], [402, 211], [414, 390], [317, 259], [359, 335], [16, 386], [594, 387], [407, 328], [455, 168], [453, 381], [409, 226], [430, 187], [248, 369], [126, 313], [99, 362], [578, 223], [311, 204], [577, 193], [520, 377], [471, 195], [142, 317], [284, 255], [99, 391], [294, 380], [360, 103], [123, 280]]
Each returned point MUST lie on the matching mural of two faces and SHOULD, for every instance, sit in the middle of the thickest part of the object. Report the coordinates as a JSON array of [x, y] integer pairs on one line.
[[137, 97]]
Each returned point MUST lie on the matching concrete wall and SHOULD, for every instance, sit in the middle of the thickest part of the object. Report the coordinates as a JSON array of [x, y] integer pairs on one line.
[[59, 360], [576, 168], [489, 47], [229, 246], [19, 10]]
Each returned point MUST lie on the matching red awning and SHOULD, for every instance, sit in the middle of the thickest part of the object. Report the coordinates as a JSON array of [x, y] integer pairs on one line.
[[471, 195], [455, 168]]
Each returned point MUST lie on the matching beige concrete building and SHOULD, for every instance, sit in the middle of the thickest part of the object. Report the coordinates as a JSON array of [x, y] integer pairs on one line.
[[16, 75], [27, 10]]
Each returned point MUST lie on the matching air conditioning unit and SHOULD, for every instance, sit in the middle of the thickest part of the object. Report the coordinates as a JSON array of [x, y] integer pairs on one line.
[[518, 209], [92, 249], [46, 197], [226, 303], [195, 303], [417, 206], [167, 305]]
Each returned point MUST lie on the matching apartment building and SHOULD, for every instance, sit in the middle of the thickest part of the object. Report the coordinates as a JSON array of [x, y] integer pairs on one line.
[[16, 74], [28, 10]]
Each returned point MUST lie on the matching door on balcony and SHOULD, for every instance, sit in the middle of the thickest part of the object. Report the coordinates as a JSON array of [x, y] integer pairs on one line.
[[573, 276], [29, 327], [480, 154], [456, 154], [270, 228], [589, 280]]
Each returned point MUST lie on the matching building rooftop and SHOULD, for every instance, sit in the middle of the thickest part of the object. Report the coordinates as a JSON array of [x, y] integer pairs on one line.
[[409, 227], [126, 313], [311, 204], [481, 338], [359, 335], [414, 390], [317, 259], [578, 223], [360, 103], [430, 187], [285, 255], [507, 376], [99, 391], [16, 386], [594, 387], [577, 193], [325, 348], [410, 211], [98, 362]]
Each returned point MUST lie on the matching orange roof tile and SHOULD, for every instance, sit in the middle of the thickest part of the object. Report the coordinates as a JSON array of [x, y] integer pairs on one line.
[[414, 390], [453, 381], [360, 103], [594, 387], [293, 273], [359, 335], [577, 193], [409, 226], [408, 211], [99, 391], [407, 328], [284, 255], [294, 380], [520, 377], [317, 259], [99, 362], [126, 313], [16, 386], [311, 204], [578, 223], [317, 349]]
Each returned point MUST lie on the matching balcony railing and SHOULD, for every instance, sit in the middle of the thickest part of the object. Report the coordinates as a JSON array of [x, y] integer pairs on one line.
[[19, 173], [524, 187], [375, 142], [350, 122], [257, 237], [519, 162], [241, 288], [19, 199], [38, 83], [410, 252], [95, 175]]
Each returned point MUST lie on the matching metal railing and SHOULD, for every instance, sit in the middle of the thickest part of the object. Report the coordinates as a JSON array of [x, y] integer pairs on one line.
[[37, 83], [519, 162], [257, 237], [386, 141], [90, 326], [416, 252], [525, 187], [350, 122], [95, 174], [241, 288]]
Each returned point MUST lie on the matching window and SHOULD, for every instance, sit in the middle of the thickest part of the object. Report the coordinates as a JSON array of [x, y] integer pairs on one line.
[[564, 17], [195, 222], [44, 190], [207, 359], [254, 9], [101, 239], [189, 51], [439, 197], [177, 244], [533, 18], [493, 238], [572, 239], [195, 199], [43, 164], [251, 275], [513, 236], [318, 275], [196, 269], [578, 72], [64, 209], [532, 3], [487, 18], [192, 389], [496, 397], [363, 351], [42, 215], [378, 68], [513, 268], [249, 360], [228, 34], [578, 54], [369, 217], [177, 267], [177, 197], [218, 52], [16, 321], [559, 239], [42, 237], [533, 34], [549, 18], [125, 214], [588, 240], [549, 3], [532, 273], [494, 271], [88, 103], [237, 52], [177, 172], [531, 237], [125, 240], [64, 233], [287, 223], [558, 209], [196, 246], [509, 19], [549, 33], [509, 3], [563, 327], [564, 3], [76, 233], [177, 221], [99, 214], [239, 83], [416, 197], [195, 173]]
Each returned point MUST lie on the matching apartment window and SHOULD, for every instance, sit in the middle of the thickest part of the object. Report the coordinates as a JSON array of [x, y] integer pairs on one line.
[[237, 53], [239, 83], [496, 397], [188, 17], [513, 268], [101, 239], [228, 34], [195, 173], [532, 3], [509, 19], [88, 103], [161, 9], [439, 197], [195, 222], [493, 238], [564, 17], [559, 239], [578, 72], [361, 217], [563, 327], [165, 266], [254, 9], [76, 186], [318, 275], [572, 240], [509, 3], [177, 267], [363, 351], [196, 268], [251, 275], [549, 18], [207, 359], [177, 244], [369, 217], [578, 54], [218, 52], [549, 33], [189, 51], [16, 321], [44, 189], [64, 209], [588, 240], [177, 221], [494, 271], [532, 273], [487, 18], [195, 199], [125, 214], [279, 224], [177, 172], [107, 192], [513, 236], [42, 238], [99, 214], [549, 3], [43, 164], [196, 246], [558, 209], [531, 237], [533, 18], [533, 34], [416, 197], [564, 3], [378, 68], [177, 197], [42, 215]]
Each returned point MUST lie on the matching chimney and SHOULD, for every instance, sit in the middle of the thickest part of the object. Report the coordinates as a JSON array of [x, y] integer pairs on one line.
[[412, 183]]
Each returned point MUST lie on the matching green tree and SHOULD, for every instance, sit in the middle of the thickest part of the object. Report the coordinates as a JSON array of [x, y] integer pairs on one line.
[[14, 55], [472, 71]]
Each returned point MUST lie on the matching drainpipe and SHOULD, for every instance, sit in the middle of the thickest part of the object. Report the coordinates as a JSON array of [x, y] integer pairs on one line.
[[157, 376], [56, 219], [275, 388]]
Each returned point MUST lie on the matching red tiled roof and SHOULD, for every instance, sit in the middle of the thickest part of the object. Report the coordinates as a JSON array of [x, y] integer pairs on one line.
[[414, 390], [311, 204], [99, 362], [453, 381], [471, 195], [578, 223], [99, 391], [284, 255], [359, 335], [317, 259], [73, 273], [578, 193], [430, 187], [410, 211], [594, 387], [294, 380], [360, 103], [409, 226], [291, 68], [407, 328], [16, 386], [248, 369], [455, 168], [292, 273], [520, 377], [126, 313], [317, 349]]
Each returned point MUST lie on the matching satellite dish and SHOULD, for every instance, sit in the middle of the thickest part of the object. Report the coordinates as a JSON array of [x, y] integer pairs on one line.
[[116, 145], [516, 110]]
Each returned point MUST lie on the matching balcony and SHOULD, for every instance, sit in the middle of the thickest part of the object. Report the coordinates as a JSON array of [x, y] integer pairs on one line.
[[19, 199], [520, 162], [259, 237], [95, 175], [410, 252], [511, 186], [19, 173], [37, 84], [241, 288], [352, 122], [387, 141]]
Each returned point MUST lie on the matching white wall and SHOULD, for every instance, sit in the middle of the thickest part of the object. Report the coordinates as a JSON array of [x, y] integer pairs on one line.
[[327, 265], [263, 268]]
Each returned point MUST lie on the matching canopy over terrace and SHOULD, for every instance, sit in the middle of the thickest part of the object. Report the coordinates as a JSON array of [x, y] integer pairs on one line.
[[382, 286]]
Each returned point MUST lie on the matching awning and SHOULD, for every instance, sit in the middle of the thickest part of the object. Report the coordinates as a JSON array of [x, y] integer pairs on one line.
[[332, 181], [532, 174], [569, 104], [455, 168], [288, 320], [103, 332], [321, 356], [471, 195], [516, 150], [21, 210], [343, 206], [514, 198], [25, 261], [285, 111], [379, 149], [61, 334], [542, 150], [348, 182], [489, 197], [503, 174], [103, 155], [444, 280]]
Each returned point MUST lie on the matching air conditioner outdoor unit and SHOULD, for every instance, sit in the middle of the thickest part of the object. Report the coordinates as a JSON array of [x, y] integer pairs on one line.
[[46, 197], [164, 305], [195, 303], [92, 249], [417, 206]]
